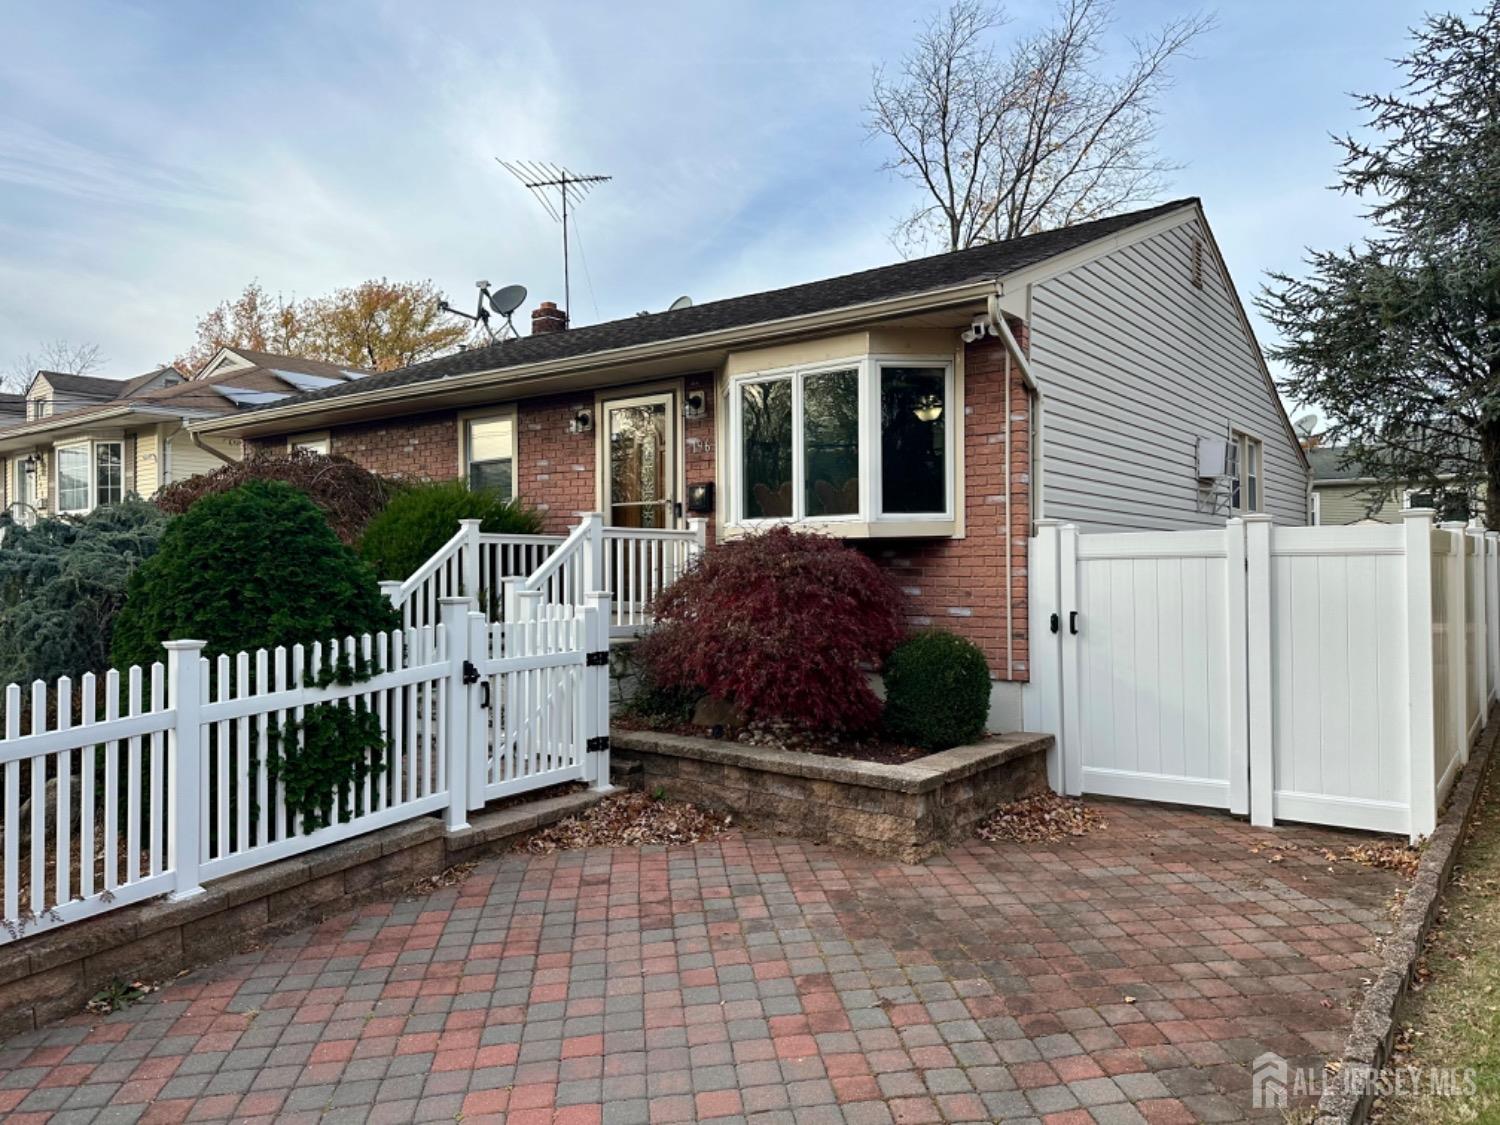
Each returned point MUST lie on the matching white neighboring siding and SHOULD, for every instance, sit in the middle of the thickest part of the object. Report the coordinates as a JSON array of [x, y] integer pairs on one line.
[[1135, 364], [187, 460]]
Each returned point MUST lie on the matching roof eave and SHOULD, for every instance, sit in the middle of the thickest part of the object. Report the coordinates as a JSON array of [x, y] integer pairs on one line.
[[932, 300]]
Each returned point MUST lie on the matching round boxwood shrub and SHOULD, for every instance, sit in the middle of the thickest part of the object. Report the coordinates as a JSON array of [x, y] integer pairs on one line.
[[937, 691], [783, 625], [254, 567], [422, 517]]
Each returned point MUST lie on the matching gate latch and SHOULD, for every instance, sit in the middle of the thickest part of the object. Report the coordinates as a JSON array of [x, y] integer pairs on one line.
[[471, 674], [598, 659], [598, 745]]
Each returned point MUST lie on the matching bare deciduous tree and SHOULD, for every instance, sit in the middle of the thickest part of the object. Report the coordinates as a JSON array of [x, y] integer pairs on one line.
[[57, 355], [1036, 139]]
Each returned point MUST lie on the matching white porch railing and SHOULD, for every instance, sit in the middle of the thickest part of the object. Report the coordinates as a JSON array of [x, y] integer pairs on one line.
[[632, 565]]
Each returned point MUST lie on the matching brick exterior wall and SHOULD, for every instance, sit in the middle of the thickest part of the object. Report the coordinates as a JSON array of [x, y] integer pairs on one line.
[[959, 584], [953, 584]]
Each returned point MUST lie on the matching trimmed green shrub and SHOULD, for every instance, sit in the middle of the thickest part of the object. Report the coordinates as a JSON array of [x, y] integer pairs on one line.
[[422, 517], [937, 691], [254, 567], [62, 583]]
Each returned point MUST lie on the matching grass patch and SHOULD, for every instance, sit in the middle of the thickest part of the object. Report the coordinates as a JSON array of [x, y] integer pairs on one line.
[[1452, 1019]]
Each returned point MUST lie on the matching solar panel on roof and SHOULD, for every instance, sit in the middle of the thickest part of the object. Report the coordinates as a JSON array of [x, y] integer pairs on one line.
[[242, 397], [303, 381]]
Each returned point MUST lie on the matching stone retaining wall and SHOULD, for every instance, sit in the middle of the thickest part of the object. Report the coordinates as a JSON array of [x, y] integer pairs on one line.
[[54, 974], [907, 812]]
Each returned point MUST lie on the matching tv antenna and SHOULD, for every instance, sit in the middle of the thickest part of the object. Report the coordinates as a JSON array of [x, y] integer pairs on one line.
[[542, 180], [503, 302]]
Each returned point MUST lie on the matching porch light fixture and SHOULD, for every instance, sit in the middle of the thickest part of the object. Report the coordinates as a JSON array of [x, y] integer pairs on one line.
[[929, 408], [695, 405], [29, 464]]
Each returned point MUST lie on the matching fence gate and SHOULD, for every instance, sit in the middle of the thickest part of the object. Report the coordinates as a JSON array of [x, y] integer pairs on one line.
[[538, 699], [1150, 702]]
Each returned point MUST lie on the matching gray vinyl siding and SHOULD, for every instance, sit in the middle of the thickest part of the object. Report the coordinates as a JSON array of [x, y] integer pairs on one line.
[[1135, 363]]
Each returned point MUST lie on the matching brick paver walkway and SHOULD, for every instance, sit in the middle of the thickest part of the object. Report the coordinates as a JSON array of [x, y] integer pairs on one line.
[[1128, 975]]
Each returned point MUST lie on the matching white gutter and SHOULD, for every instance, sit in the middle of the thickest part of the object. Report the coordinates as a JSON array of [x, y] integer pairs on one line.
[[759, 332]]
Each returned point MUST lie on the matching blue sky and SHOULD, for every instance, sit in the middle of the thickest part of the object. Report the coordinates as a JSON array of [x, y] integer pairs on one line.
[[156, 157]]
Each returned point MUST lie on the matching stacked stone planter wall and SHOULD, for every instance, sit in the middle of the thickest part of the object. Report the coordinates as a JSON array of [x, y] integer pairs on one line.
[[907, 812]]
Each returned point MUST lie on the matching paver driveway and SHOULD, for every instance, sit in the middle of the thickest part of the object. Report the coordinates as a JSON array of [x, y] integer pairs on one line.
[[1130, 974]]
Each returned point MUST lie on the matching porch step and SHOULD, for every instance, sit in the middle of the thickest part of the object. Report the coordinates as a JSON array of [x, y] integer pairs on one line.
[[487, 829]]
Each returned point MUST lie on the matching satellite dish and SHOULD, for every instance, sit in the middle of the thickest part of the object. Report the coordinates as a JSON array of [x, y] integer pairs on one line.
[[508, 300], [683, 302]]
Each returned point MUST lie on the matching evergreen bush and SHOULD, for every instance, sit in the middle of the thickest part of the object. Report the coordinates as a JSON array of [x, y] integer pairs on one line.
[[424, 516], [254, 567], [937, 691], [62, 583]]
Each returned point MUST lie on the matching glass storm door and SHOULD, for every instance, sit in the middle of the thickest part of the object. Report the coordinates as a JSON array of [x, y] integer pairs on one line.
[[641, 437]]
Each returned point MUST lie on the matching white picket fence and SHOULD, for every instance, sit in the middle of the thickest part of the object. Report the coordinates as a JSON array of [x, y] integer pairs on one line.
[[156, 781], [1331, 675]]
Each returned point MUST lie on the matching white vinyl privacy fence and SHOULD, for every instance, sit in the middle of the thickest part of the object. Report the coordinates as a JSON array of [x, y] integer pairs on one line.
[[1333, 675], [120, 788]]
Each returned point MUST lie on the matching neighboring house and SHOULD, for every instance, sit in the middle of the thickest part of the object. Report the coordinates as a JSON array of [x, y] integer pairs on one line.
[[895, 407], [1345, 493], [82, 441]]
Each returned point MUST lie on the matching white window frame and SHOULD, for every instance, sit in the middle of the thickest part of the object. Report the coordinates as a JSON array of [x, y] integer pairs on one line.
[[87, 449], [870, 514], [1244, 441], [94, 447], [492, 414], [90, 450]]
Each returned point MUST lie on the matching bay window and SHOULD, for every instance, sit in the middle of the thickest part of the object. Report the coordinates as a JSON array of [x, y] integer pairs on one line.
[[861, 442]]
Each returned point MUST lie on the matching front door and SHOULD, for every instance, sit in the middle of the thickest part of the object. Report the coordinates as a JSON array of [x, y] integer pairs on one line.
[[641, 463]]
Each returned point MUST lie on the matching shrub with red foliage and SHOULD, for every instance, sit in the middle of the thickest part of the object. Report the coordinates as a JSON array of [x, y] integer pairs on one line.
[[783, 625]]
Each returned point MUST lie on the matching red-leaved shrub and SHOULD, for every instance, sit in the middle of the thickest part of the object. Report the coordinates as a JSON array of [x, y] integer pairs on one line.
[[783, 625]]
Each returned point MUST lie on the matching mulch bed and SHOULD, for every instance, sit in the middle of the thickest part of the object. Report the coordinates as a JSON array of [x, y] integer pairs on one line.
[[783, 736]]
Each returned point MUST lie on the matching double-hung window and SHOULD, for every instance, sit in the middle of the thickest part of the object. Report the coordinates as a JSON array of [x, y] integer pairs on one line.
[[857, 442], [1246, 488], [489, 453], [73, 478], [109, 472]]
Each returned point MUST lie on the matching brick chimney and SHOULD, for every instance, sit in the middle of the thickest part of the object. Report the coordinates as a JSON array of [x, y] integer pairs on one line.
[[547, 317]]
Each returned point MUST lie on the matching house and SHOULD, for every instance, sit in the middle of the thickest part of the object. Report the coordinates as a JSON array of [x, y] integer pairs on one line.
[[1345, 492], [929, 411], [81, 441]]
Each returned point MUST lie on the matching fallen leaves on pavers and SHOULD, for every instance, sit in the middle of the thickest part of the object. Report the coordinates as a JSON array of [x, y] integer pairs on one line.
[[449, 877], [1387, 855], [629, 820], [1045, 819]]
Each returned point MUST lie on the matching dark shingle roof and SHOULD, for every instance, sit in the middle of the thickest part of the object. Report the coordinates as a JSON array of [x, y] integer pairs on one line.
[[1327, 464], [12, 404], [90, 386], [940, 271]]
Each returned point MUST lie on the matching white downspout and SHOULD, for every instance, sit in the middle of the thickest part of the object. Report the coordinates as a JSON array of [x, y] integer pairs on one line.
[[197, 439]]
